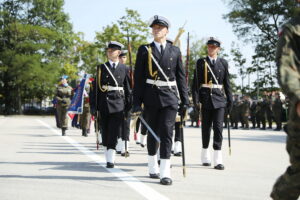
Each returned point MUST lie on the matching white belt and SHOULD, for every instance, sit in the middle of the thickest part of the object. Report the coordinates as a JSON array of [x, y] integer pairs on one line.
[[159, 83], [112, 88], [212, 86]]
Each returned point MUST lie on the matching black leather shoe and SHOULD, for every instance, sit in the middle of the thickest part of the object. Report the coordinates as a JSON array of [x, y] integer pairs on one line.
[[84, 133], [156, 176], [178, 154], [166, 181], [118, 152], [63, 131], [110, 165], [142, 145], [220, 167], [206, 164], [123, 154]]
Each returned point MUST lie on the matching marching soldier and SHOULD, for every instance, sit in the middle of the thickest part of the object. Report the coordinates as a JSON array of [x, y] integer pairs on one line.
[[113, 96], [288, 62], [210, 76], [63, 96], [159, 81], [125, 133], [85, 117]]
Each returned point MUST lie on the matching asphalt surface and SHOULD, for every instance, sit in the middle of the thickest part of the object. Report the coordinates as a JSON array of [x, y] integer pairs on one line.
[[36, 162]]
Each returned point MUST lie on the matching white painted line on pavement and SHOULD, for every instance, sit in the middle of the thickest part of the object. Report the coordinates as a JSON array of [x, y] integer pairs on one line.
[[131, 181]]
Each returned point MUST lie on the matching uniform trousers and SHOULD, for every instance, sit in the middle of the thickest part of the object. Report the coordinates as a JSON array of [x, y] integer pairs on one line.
[[126, 127], [110, 124], [62, 115], [177, 132], [212, 118], [162, 121], [139, 124]]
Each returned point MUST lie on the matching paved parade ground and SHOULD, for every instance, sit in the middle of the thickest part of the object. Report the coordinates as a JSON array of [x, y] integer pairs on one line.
[[36, 162]]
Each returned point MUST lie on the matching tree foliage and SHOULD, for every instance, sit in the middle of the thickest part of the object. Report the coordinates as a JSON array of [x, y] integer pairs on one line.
[[129, 26], [35, 35], [259, 22]]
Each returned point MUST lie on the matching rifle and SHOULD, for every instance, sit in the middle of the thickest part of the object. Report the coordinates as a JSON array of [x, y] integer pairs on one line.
[[97, 114], [181, 117], [187, 58], [130, 61]]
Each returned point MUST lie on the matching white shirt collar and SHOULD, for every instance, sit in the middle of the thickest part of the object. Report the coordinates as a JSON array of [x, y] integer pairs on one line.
[[158, 45], [111, 63], [211, 59]]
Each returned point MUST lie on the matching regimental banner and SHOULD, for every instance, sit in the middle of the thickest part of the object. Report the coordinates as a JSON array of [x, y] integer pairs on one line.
[[76, 106]]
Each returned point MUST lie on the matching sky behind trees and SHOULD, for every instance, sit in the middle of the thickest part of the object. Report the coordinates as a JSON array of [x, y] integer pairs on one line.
[[203, 18]]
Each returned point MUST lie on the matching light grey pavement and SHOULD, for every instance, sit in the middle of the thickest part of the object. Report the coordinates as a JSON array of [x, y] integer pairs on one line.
[[37, 163]]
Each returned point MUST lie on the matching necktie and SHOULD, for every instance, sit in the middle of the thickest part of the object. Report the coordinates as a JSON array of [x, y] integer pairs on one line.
[[114, 65], [213, 61], [161, 49]]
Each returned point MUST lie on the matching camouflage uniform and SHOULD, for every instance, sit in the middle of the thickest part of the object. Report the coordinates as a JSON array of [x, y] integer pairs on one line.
[[288, 61], [63, 96], [269, 112], [258, 113], [234, 113], [277, 110], [85, 117], [245, 111], [252, 114]]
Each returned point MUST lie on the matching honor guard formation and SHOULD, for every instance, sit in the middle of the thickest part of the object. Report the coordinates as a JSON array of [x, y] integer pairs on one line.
[[157, 102]]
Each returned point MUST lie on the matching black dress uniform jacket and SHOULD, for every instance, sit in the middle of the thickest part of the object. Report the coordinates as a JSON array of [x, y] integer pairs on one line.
[[111, 101], [212, 98], [171, 64]]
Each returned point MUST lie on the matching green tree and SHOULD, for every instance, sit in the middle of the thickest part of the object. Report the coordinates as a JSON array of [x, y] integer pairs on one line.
[[35, 35], [239, 63], [259, 22], [129, 26]]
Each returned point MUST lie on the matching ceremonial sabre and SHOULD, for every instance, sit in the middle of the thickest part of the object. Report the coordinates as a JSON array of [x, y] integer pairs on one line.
[[149, 128], [229, 143], [182, 146]]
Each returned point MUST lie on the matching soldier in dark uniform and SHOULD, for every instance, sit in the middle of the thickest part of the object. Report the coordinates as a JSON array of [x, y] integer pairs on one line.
[[263, 113], [258, 113], [241, 112], [63, 95], [159, 82], [245, 111], [125, 133], [269, 112], [210, 76], [113, 96], [234, 112], [252, 113], [277, 110]]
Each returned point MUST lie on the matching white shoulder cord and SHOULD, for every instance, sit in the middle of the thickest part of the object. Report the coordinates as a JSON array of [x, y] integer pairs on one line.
[[165, 76], [117, 85]]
